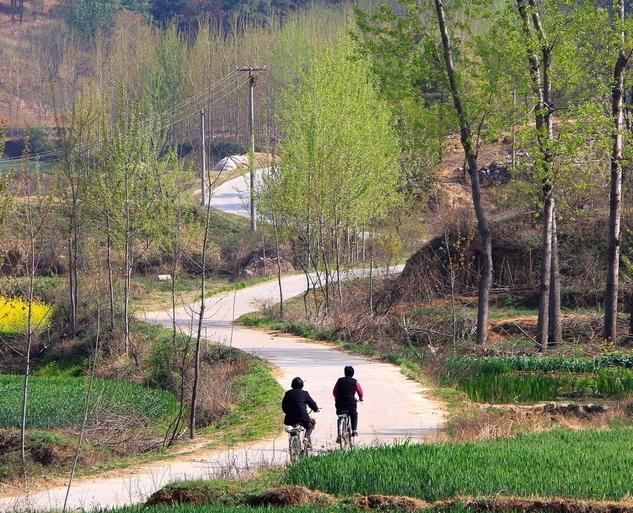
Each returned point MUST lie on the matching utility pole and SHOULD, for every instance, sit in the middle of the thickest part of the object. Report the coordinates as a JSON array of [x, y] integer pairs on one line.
[[251, 117], [203, 161]]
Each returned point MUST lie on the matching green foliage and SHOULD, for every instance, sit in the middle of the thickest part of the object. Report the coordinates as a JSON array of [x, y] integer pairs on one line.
[[508, 363], [402, 42], [557, 463], [256, 412], [168, 77], [339, 156], [88, 18], [301, 329], [56, 402], [533, 387]]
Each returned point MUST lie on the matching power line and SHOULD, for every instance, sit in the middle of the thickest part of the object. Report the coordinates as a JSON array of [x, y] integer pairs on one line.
[[175, 110]]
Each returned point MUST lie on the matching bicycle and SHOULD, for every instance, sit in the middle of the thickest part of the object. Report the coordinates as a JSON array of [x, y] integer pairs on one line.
[[344, 430], [298, 445]]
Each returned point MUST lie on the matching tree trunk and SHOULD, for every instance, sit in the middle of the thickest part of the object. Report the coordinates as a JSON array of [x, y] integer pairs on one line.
[[110, 275], [196, 364], [540, 71], [470, 153], [555, 336], [71, 291], [281, 292], [126, 293], [27, 352], [615, 195], [546, 272], [86, 408]]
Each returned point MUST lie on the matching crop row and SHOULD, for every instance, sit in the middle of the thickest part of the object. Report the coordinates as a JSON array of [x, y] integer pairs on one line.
[[56, 402], [575, 464], [520, 387], [504, 364]]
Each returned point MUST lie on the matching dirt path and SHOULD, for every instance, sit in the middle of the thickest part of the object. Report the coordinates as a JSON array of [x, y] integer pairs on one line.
[[395, 407]]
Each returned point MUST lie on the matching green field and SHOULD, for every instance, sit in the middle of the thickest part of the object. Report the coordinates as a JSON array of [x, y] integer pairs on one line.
[[509, 379], [575, 464], [57, 402]]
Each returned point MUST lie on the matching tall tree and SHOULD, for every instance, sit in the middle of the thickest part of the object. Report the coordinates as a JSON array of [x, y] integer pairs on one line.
[[338, 162], [470, 154], [541, 75], [615, 195]]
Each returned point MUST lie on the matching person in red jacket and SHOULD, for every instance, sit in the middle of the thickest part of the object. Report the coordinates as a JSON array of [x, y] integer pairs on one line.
[[345, 392]]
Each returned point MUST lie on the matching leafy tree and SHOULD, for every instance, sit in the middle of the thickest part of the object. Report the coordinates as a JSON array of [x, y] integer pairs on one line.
[[134, 193], [339, 160], [440, 82]]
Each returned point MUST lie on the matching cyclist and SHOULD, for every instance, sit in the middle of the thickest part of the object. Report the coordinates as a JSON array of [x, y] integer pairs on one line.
[[345, 392], [295, 404]]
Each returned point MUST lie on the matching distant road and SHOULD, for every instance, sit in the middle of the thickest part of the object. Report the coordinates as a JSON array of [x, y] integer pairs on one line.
[[233, 196]]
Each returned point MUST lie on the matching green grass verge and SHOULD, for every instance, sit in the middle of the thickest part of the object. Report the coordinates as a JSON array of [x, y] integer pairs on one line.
[[150, 294], [256, 413], [57, 402], [575, 464]]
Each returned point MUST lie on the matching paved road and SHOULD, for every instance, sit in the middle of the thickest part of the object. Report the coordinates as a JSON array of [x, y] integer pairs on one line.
[[233, 196], [395, 407]]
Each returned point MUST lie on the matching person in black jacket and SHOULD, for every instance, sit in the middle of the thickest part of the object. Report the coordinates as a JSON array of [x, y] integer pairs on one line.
[[295, 404], [345, 392]]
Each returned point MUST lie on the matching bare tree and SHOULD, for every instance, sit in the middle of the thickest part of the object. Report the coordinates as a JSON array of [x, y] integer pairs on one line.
[[31, 224]]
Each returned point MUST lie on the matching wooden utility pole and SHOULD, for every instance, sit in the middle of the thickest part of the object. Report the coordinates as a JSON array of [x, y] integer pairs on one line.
[[251, 125], [203, 161]]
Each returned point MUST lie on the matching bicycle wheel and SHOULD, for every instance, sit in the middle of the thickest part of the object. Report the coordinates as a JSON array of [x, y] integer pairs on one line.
[[294, 448], [340, 428], [346, 435]]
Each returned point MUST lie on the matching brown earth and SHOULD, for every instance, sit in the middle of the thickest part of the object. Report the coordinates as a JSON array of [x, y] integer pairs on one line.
[[390, 503], [291, 496]]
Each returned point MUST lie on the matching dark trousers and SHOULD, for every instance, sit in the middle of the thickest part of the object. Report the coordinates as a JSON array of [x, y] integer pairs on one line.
[[307, 425], [351, 411]]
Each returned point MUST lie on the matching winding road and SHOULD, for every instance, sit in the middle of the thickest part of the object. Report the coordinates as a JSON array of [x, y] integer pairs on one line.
[[395, 408]]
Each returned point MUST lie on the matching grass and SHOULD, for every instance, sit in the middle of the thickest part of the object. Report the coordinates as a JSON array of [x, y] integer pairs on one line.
[[521, 387], [508, 363], [57, 402], [256, 414], [575, 464], [14, 315]]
